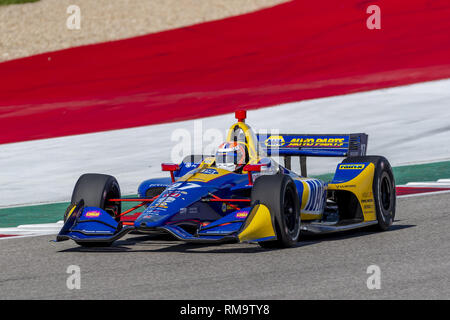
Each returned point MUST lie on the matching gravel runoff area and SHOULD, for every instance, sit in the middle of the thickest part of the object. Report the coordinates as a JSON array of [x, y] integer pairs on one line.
[[33, 28]]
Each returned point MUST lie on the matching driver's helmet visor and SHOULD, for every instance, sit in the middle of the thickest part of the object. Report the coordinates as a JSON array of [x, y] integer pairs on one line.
[[230, 153], [228, 157]]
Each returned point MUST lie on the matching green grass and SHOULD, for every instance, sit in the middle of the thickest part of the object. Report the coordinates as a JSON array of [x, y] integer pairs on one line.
[[46, 213], [6, 2]]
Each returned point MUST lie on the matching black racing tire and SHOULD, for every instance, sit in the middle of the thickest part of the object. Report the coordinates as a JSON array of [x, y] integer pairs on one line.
[[95, 189], [383, 188], [69, 208], [279, 193], [154, 191]]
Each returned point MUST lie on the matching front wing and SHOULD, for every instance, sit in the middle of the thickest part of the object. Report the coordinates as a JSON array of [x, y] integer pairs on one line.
[[92, 225]]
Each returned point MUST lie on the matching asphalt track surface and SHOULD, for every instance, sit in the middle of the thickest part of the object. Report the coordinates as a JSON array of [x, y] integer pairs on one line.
[[413, 257]]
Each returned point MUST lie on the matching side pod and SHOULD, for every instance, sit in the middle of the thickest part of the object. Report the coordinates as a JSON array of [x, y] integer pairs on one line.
[[357, 178]]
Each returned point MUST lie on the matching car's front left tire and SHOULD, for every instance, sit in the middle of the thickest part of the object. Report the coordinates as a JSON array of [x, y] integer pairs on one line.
[[96, 190]]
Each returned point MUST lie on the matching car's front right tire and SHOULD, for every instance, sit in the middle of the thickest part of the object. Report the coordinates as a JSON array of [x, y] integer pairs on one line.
[[279, 194]]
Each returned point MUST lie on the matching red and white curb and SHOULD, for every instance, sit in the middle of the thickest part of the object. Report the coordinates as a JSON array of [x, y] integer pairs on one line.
[[413, 189], [30, 230]]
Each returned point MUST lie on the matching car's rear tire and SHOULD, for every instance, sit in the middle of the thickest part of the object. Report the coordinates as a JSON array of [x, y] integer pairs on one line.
[[154, 191], [279, 193], [383, 189]]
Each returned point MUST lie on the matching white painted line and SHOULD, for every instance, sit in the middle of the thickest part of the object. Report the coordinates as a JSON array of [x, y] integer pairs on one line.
[[27, 236], [412, 163], [30, 204], [423, 194], [31, 230], [427, 185]]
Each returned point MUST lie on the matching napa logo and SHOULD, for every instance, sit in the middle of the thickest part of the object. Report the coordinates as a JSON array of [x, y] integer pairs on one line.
[[92, 214], [275, 141], [241, 214], [352, 166]]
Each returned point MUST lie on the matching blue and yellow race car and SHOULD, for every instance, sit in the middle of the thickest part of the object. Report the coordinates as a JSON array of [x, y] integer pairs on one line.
[[241, 194]]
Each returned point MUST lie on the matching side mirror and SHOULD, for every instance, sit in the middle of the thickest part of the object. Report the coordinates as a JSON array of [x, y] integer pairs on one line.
[[170, 167], [253, 168]]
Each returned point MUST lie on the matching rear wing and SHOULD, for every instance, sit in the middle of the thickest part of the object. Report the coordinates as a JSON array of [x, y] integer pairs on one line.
[[309, 145], [313, 145]]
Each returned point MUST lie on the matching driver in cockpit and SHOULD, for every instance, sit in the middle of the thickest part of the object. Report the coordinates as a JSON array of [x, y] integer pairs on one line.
[[231, 156]]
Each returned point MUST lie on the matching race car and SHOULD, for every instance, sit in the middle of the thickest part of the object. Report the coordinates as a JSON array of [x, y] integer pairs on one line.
[[241, 194]]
